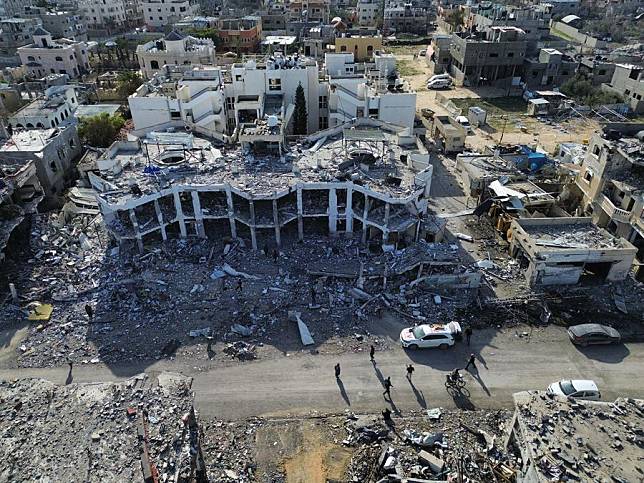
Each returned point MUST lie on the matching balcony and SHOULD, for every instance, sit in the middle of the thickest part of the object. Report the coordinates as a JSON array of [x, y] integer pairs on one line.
[[616, 214]]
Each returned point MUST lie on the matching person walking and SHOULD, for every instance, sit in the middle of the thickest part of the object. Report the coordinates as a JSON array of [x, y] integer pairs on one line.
[[372, 353], [410, 371], [388, 385], [468, 334], [386, 415], [471, 362], [313, 297], [239, 285], [71, 366], [89, 311], [337, 371]]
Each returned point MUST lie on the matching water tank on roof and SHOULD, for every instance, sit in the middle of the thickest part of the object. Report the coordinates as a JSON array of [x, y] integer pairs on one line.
[[272, 121]]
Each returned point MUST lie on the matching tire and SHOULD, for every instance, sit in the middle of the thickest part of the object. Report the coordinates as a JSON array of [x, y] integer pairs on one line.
[[443, 346], [460, 383], [412, 347]]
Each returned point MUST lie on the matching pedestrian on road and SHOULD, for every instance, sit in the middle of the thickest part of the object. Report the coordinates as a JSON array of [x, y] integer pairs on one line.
[[239, 285], [471, 362], [468, 334], [337, 371], [388, 385], [386, 415], [276, 255], [410, 371], [372, 353], [89, 311], [313, 294]]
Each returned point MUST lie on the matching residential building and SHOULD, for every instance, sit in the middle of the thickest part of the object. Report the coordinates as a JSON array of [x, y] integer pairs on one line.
[[492, 57], [158, 14], [611, 181], [438, 55], [362, 46], [20, 194], [103, 16], [174, 49], [10, 98], [13, 8], [335, 188], [550, 69], [310, 10], [628, 81], [62, 56], [16, 32], [597, 70], [562, 7], [368, 12], [55, 108], [317, 40], [405, 17], [61, 24], [53, 151], [240, 34]]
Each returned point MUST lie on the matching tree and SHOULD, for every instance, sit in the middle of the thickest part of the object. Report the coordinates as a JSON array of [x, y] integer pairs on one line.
[[584, 92], [128, 83], [100, 131], [300, 119], [455, 19]]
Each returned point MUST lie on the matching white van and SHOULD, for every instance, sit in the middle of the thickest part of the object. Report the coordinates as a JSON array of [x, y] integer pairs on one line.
[[439, 84], [439, 76]]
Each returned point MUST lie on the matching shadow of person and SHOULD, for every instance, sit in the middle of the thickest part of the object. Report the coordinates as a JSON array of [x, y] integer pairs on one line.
[[461, 398], [477, 377], [420, 397], [379, 375], [481, 359], [343, 391]]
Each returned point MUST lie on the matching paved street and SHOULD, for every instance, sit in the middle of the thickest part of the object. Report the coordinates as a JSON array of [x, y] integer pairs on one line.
[[302, 383]]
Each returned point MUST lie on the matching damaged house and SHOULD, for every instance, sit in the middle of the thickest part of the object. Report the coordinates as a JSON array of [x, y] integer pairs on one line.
[[365, 178], [566, 250]]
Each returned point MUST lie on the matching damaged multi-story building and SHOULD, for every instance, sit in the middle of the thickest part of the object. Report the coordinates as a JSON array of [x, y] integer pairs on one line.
[[611, 182], [364, 178]]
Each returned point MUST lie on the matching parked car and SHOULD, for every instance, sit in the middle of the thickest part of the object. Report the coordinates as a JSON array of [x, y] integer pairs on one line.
[[430, 335], [588, 334], [439, 84], [579, 389], [465, 122], [439, 76]]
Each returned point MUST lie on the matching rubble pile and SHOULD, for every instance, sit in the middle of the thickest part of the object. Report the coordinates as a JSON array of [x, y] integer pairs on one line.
[[435, 444], [107, 432], [580, 440]]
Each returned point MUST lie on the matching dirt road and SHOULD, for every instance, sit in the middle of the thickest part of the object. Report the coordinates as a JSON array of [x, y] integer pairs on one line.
[[299, 384]]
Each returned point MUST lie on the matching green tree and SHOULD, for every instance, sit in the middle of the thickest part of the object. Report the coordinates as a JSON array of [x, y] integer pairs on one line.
[[100, 131], [300, 118], [128, 83], [583, 91]]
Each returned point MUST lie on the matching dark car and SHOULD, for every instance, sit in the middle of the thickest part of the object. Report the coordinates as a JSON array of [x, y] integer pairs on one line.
[[588, 334]]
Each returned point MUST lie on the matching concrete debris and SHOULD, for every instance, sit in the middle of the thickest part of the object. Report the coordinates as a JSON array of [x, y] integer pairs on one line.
[[241, 350], [243, 330], [305, 334], [205, 332]]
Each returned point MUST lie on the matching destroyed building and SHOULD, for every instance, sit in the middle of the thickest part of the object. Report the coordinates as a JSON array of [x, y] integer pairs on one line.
[[567, 250], [365, 178], [138, 430], [561, 439]]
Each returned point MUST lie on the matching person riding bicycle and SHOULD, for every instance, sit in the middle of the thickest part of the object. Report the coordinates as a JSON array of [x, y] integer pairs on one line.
[[453, 377]]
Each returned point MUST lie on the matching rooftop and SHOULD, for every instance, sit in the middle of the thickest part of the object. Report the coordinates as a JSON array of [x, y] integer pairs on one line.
[[96, 109], [580, 440], [176, 158], [33, 140]]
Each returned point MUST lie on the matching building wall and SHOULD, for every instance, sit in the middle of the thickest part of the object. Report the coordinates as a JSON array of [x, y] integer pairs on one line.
[[628, 81], [158, 14], [368, 12], [361, 47], [16, 32], [103, 14], [152, 61], [70, 59]]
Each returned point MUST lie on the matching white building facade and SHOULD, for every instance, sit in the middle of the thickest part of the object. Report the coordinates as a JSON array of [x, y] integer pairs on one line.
[[46, 56], [159, 13]]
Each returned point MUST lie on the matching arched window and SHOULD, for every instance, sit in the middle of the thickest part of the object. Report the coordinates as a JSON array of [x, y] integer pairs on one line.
[[154, 64], [40, 125], [29, 125], [31, 58]]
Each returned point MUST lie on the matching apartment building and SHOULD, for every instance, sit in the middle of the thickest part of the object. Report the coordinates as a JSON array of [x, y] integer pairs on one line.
[[174, 49], [368, 12], [158, 14], [13, 8], [628, 81], [611, 181], [53, 109], [597, 70], [438, 55], [361, 46], [61, 24], [47, 56], [492, 57], [240, 34], [310, 10], [15, 33], [405, 17], [103, 15]]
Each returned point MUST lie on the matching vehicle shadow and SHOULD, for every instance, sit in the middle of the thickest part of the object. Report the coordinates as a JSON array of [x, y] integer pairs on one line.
[[611, 354]]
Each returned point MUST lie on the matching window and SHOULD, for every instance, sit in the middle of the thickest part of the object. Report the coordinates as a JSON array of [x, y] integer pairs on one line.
[[274, 84], [323, 102], [154, 64], [175, 115], [602, 72], [53, 166], [59, 58], [596, 150], [31, 58], [588, 176], [510, 54], [627, 92], [494, 54], [343, 48], [324, 122]]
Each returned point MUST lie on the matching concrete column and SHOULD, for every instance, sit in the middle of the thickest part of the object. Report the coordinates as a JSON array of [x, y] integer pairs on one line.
[[276, 221], [157, 208], [253, 234], [177, 207], [333, 211], [365, 215], [137, 233], [231, 212], [300, 220], [349, 210], [196, 206], [387, 210]]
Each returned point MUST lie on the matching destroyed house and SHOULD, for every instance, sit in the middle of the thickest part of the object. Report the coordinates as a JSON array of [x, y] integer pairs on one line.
[[561, 439], [564, 251], [365, 178]]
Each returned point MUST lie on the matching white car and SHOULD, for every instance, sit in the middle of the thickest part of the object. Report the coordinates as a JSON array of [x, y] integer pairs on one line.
[[465, 122], [430, 335], [439, 84], [580, 389]]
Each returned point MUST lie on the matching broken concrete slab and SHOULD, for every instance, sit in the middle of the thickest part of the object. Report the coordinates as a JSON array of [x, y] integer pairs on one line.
[[305, 334]]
